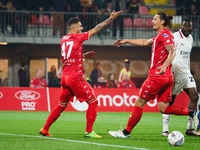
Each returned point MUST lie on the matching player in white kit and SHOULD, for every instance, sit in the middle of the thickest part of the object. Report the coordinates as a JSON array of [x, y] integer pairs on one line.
[[183, 79]]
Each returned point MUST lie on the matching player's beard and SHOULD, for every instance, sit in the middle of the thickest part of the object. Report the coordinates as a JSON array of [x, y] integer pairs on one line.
[[186, 33]]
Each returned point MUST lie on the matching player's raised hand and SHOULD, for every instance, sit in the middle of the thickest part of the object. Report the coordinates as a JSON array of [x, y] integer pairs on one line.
[[119, 42], [114, 14], [89, 54], [101, 25]]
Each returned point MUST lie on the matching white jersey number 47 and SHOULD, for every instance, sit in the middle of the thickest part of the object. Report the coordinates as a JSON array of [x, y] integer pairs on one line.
[[70, 45]]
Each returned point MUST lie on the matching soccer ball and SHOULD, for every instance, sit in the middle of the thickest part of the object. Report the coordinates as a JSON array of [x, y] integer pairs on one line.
[[176, 138]]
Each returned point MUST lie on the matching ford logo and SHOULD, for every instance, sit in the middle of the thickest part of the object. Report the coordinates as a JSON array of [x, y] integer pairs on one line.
[[27, 95]]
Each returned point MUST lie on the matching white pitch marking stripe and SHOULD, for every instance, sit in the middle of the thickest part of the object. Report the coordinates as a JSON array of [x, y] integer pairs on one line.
[[75, 141]]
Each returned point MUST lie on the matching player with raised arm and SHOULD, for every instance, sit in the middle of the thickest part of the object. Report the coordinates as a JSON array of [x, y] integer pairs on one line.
[[183, 79], [72, 82], [160, 80]]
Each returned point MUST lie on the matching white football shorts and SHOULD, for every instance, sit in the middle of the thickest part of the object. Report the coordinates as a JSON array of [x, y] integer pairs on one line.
[[183, 82]]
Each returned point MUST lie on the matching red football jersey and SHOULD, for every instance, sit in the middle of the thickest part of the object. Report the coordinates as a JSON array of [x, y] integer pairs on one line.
[[72, 52], [35, 82], [159, 54], [126, 84], [100, 85]]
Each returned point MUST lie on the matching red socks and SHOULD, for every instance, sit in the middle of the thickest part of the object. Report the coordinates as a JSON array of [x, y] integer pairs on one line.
[[134, 118], [91, 115], [137, 114], [53, 116], [177, 110]]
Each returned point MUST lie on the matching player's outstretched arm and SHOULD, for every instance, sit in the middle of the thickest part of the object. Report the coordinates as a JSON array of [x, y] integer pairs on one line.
[[169, 59], [138, 42], [89, 54], [101, 25]]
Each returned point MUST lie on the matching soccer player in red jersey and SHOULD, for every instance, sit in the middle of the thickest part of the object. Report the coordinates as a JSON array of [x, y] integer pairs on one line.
[[160, 80], [72, 82]]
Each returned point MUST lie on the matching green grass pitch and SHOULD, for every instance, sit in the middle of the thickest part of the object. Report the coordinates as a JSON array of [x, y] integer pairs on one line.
[[19, 130]]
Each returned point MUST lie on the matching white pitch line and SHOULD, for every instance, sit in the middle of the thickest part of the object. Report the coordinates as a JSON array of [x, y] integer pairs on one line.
[[75, 141]]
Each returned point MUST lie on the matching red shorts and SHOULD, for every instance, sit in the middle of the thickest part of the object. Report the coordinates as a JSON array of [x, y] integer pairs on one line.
[[157, 87], [75, 85]]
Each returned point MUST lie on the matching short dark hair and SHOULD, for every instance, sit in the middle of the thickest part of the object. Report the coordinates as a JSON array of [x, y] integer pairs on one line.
[[163, 16], [73, 20], [23, 64], [188, 20], [98, 64]]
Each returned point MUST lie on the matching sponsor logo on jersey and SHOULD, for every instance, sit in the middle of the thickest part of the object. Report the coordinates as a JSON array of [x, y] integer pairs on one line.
[[27, 95], [1, 95], [165, 35], [70, 60], [184, 53]]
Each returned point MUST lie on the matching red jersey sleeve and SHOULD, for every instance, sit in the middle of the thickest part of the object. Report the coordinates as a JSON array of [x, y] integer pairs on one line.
[[83, 36], [166, 38], [119, 85], [107, 85], [45, 83]]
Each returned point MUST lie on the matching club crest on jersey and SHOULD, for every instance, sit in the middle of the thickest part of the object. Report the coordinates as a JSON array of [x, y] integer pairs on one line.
[[165, 35]]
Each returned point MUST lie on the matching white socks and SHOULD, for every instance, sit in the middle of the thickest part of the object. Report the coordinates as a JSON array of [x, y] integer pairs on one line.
[[166, 119], [190, 124]]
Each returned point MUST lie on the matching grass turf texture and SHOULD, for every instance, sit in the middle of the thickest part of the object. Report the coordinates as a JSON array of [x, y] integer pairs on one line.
[[71, 126]]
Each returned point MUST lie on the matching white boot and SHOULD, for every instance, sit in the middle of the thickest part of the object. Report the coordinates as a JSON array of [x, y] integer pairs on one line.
[[190, 128]]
